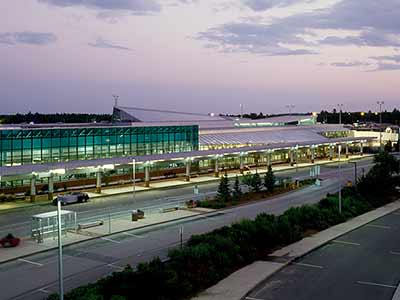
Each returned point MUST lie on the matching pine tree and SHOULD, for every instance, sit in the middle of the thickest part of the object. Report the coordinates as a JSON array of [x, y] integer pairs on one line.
[[237, 191], [269, 180], [256, 183], [223, 192]]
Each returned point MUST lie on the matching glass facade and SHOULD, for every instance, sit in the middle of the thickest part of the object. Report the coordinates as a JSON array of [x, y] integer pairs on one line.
[[42, 145]]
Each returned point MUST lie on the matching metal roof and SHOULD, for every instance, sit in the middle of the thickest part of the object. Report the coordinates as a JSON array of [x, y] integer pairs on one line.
[[30, 168]]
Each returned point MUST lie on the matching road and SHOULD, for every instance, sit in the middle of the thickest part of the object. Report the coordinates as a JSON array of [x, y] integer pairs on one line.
[[18, 221], [35, 276], [361, 265]]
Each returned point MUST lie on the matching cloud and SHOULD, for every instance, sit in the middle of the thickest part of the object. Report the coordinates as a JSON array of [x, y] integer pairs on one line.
[[387, 67], [350, 64], [254, 38], [101, 43], [395, 58], [27, 37], [261, 5], [133, 6], [372, 23]]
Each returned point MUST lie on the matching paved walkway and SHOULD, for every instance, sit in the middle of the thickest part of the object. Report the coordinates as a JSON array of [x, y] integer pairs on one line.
[[172, 183], [231, 288], [119, 224]]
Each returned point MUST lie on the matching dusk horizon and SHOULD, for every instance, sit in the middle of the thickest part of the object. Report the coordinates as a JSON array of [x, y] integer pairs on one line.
[[203, 56]]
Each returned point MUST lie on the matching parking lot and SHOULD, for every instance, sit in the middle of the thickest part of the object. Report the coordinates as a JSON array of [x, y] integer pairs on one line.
[[363, 264]]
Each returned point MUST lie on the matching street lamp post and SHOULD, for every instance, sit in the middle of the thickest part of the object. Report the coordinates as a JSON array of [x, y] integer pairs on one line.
[[380, 103], [60, 260], [339, 176], [355, 172], [134, 180], [340, 113]]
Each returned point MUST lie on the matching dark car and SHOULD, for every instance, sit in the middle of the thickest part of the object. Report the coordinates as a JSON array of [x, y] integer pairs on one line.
[[74, 197]]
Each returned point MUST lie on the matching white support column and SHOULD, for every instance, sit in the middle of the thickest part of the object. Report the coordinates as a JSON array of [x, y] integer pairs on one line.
[[241, 158], [51, 186], [330, 152], [347, 150], [269, 159], [147, 175], [312, 154], [361, 149], [216, 170], [98, 181], [291, 156], [33, 188], [188, 165]]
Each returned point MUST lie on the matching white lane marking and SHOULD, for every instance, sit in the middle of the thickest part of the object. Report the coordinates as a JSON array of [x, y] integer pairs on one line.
[[251, 298], [396, 213], [116, 267], [110, 240], [346, 243], [378, 226], [134, 235], [30, 262], [394, 253], [377, 284], [44, 291], [308, 265]]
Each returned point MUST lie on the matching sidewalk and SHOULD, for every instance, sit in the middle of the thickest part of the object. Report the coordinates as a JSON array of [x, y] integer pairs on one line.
[[239, 284], [174, 183], [121, 224]]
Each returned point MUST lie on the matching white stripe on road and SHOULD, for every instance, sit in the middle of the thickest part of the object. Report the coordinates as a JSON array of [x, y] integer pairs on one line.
[[110, 240], [396, 213], [134, 235], [377, 226], [394, 253], [44, 291], [251, 298], [116, 267], [30, 262], [346, 243], [309, 265], [377, 284]]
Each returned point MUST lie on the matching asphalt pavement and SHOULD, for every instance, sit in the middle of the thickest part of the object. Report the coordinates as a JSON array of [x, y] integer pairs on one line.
[[361, 265], [35, 276]]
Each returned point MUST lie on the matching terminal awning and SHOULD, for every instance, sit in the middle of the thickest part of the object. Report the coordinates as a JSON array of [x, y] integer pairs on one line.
[[70, 165]]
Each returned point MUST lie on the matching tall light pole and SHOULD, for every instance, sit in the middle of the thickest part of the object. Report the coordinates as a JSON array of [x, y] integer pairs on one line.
[[60, 260], [339, 176], [340, 113], [241, 111], [134, 180], [380, 103], [290, 107]]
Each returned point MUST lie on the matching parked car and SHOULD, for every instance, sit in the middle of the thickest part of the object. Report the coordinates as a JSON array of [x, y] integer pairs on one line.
[[9, 241], [75, 197]]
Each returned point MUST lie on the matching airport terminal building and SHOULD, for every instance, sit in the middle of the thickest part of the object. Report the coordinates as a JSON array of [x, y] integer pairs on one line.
[[159, 144]]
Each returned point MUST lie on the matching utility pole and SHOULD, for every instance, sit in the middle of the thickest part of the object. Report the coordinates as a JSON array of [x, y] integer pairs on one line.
[[340, 113], [116, 97], [241, 111], [380, 103], [339, 176], [60, 259], [290, 107]]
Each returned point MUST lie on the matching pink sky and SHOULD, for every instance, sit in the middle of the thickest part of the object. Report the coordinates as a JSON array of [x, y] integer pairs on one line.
[[204, 55]]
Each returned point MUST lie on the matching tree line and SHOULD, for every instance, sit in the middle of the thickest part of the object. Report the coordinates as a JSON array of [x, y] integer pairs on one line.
[[40, 118]]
